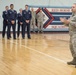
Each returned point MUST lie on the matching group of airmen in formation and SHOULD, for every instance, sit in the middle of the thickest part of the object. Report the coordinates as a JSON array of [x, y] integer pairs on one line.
[[26, 19]]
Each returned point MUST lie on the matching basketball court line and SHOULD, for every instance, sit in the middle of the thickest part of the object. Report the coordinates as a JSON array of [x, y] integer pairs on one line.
[[41, 53]]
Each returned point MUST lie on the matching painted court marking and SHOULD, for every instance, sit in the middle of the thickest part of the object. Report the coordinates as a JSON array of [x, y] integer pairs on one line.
[[41, 53]]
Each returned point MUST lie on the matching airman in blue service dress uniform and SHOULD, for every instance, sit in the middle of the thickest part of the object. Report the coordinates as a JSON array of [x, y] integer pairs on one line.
[[12, 16], [27, 18]]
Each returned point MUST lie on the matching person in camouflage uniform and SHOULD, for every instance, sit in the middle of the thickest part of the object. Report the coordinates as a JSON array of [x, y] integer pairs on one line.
[[72, 31], [40, 19], [33, 19]]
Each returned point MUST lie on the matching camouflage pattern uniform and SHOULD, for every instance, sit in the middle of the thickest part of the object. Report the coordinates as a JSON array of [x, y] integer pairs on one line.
[[72, 33], [33, 20], [40, 19]]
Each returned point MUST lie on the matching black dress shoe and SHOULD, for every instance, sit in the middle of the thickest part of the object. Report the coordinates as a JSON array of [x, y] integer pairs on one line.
[[8, 38], [23, 37], [2, 36], [14, 38], [29, 37]]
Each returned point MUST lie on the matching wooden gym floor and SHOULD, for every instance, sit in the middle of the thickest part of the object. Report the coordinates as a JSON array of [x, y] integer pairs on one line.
[[44, 54]]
